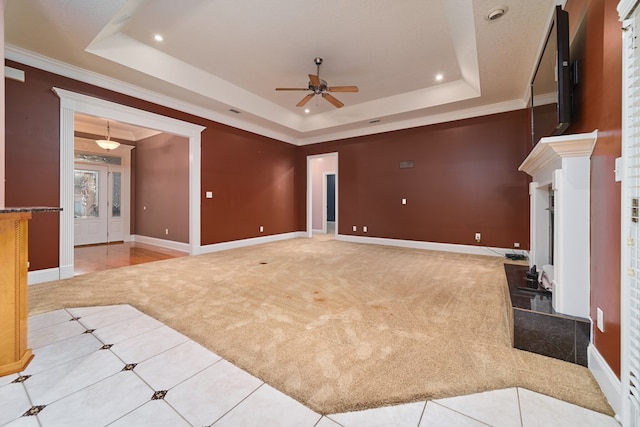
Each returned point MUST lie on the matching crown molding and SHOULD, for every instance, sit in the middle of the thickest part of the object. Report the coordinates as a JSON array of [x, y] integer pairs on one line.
[[42, 62], [485, 110]]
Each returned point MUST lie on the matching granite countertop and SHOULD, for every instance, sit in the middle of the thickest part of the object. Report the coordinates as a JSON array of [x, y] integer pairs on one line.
[[30, 209]]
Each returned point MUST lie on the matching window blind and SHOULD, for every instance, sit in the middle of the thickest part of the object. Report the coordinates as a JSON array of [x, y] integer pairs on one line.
[[631, 218]]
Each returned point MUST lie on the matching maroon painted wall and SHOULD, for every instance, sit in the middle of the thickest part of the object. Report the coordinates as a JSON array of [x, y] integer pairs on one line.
[[162, 187], [249, 190], [32, 152], [597, 45], [465, 180], [252, 181]]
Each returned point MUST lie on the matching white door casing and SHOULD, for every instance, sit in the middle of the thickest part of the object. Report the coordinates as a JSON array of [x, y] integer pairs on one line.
[[70, 103]]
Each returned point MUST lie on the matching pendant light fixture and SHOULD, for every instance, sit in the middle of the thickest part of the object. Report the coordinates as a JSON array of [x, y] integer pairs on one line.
[[106, 143]]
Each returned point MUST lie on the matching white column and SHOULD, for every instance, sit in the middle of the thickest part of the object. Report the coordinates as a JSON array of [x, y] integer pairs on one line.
[[66, 188], [571, 239]]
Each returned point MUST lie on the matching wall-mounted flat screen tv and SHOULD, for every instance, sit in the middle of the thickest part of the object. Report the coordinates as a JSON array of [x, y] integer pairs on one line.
[[551, 84]]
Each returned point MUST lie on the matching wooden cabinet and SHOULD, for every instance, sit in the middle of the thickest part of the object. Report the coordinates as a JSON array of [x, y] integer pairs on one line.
[[14, 354]]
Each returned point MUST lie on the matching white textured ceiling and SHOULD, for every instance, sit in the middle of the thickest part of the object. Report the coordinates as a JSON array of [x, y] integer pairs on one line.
[[232, 54]]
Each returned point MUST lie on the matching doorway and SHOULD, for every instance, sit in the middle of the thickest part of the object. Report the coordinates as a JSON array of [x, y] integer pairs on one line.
[[319, 167], [70, 103], [329, 196]]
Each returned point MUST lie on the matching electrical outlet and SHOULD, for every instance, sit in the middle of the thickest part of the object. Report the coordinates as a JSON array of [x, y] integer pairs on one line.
[[261, 229], [478, 236], [166, 231], [355, 228], [516, 245], [364, 229], [600, 321]]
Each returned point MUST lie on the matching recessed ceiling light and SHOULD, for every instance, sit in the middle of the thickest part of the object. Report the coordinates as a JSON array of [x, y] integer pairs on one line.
[[158, 37], [439, 77], [306, 110], [496, 13]]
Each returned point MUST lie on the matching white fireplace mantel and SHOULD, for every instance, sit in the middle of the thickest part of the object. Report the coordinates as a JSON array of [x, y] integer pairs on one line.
[[561, 164]]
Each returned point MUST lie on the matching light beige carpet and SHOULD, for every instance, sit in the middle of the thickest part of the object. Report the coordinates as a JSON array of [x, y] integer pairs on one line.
[[340, 326]]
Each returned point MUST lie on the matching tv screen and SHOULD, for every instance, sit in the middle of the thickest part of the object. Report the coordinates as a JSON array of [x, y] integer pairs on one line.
[[551, 85]]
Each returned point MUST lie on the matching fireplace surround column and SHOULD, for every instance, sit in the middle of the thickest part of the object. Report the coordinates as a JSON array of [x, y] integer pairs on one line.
[[562, 164]]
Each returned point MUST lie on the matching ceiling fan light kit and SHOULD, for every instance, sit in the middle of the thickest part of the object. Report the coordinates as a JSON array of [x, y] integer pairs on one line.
[[317, 86]]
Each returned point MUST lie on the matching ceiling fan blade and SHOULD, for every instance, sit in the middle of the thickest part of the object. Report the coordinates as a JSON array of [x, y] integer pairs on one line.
[[343, 89], [332, 100], [292, 88], [315, 80], [305, 100]]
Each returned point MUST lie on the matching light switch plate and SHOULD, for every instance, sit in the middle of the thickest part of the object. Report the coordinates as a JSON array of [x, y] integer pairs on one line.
[[600, 321], [209, 194], [618, 169]]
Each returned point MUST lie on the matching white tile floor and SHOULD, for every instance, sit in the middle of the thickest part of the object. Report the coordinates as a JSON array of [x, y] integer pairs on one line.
[[116, 366]]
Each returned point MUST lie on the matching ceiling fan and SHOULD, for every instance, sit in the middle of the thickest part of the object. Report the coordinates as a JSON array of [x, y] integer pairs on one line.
[[319, 87]]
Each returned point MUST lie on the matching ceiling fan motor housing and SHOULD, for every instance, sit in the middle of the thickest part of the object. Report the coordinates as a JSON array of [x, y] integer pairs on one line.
[[318, 89]]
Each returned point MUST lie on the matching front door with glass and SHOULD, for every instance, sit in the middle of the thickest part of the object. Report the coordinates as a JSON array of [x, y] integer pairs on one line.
[[97, 204]]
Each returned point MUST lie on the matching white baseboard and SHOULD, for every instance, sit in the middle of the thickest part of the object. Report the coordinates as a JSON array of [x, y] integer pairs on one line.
[[46, 275], [217, 247], [606, 379], [433, 246], [169, 244]]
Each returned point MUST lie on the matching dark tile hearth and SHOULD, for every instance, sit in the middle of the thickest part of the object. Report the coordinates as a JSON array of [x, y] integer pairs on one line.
[[538, 328]]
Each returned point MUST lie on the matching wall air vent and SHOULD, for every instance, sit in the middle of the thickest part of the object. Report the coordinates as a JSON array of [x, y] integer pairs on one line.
[[233, 110], [407, 164]]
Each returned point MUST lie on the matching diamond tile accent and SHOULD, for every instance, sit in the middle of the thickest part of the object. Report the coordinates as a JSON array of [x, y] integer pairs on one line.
[[129, 366], [21, 379], [34, 410], [159, 395], [106, 347]]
